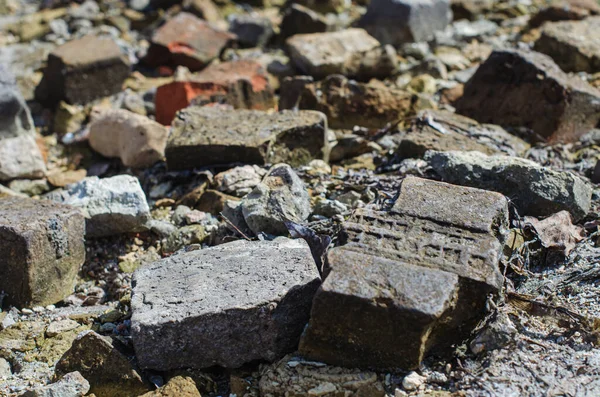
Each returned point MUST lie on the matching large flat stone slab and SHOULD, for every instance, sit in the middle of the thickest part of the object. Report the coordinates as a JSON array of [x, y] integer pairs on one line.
[[225, 305], [408, 280], [203, 136], [41, 250], [514, 88]]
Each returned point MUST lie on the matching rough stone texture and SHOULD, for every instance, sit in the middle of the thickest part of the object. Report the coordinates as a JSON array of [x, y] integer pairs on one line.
[[408, 280], [345, 102], [350, 52], [71, 385], [106, 368], [187, 41], [239, 181], [514, 87], [441, 130], [136, 139], [15, 118], [565, 10], [399, 21], [298, 19], [242, 84], [111, 205], [251, 30], [204, 136], [83, 70], [469, 9], [41, 250], [20, 157], [225, 305], [178, 386], [295, 377], [535, 190], [279, 197], [574, 45]]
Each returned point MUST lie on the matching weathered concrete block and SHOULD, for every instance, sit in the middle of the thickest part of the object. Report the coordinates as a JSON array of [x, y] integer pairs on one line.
[[187, 41], [225, 305], [350, 52], [111, 205], [41, 250], [399, 21], [204, 136], [574, 45], [137, 140], [83, 70], [409, 280], [535, 190], [513, 87]]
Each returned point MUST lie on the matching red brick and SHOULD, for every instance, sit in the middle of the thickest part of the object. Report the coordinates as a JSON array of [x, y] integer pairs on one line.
[[241, 84], [187, 41]]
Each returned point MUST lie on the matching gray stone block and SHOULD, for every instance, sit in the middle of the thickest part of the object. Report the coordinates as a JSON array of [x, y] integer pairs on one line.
[[226, 305]]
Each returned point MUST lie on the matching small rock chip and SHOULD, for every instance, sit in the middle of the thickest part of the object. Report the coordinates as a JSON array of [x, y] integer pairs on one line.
[[408, 280], [178, 386], [242, 84], [111, 205], [83, 70], [70, 385], [399, 21], [412, 381], [15, 118], [60, 178], [225, 305], [41, 250], [239, 181], [535, 190], [574, 45], [187, 41], [204, 136], [137, 140], [106, 368], [280, 197], [350, 52], [513, 87]]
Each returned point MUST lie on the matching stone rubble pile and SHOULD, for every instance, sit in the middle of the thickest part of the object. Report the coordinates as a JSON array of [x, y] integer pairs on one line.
[[318, 198]]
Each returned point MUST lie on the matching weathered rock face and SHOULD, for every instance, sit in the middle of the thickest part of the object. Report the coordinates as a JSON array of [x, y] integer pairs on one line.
[[226, 305], [137, 140], [279, 197], [251, 30], [574, 45], [351, 52], [204, 136], [107, 370], [187, 41], [408, 280], [399, 21], [294, 377], [179, 386], [71, 385], [20, 157], [441, 130], [347, 103], [242, 84], [41, 250], [565, 10], [535, 190], [83, 70], [298, 19], [239, 181], [513, 87], [111, 205]]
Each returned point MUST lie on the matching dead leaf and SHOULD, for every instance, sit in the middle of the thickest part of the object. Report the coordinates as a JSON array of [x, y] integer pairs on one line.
[[556, 232]]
